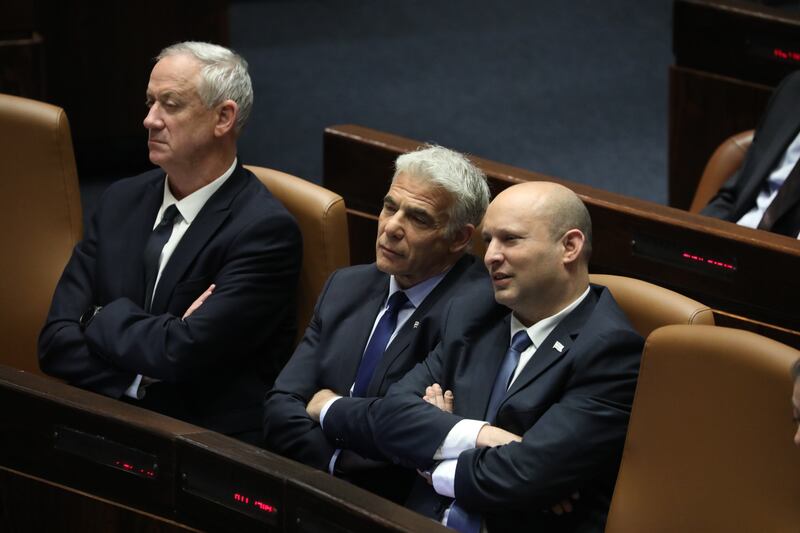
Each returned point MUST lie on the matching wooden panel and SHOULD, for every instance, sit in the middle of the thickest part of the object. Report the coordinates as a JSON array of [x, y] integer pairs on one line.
[[684, 252], [202, 481], [31, 505]]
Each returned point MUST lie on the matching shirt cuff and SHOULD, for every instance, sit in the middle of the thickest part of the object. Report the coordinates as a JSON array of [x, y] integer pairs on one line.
[[444, 478], [461, 437], [134, 391], [324, 411]]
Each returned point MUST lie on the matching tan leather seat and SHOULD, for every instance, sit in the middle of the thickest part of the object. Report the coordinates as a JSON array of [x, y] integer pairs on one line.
[[709, 447], [650, 307], [40, 215], [725, 160], [322, 218]]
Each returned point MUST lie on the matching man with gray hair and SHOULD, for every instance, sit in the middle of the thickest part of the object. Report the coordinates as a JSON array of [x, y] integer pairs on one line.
[[180, 298], [373, 323]]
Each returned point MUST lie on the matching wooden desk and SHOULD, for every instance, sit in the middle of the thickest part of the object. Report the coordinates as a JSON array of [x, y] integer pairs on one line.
[[748, 277], [71, 460]]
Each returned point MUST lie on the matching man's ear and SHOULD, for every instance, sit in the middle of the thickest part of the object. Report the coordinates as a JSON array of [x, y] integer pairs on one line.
[[226, 117], [573, 242], [462, 238]]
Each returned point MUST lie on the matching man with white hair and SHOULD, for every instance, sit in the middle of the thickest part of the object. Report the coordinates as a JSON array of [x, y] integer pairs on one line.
[[180, 297], [373, 323]]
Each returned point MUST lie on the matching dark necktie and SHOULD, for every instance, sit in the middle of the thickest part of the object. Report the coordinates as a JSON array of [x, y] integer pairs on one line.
[[377, 344], [519, 344], [458, 518], [152, 251], [774, 218]]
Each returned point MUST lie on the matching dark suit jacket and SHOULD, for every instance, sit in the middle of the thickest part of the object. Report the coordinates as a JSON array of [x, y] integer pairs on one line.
[[216, 365], [331, 350], [571, 407], [778, 128]]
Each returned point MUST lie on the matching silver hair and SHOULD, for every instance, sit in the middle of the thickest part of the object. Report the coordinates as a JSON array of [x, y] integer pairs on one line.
[[223, 76], [454, 173]]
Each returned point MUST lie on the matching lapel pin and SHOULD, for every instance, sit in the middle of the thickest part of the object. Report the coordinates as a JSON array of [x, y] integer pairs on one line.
[[558, 346], [416, 324]]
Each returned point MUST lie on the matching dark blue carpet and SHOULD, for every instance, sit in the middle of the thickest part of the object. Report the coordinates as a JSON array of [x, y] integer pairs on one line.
[[574, 89]]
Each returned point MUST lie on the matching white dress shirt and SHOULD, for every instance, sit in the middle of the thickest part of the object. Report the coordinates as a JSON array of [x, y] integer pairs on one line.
[[770, 188], [464, 434], [188, 209]]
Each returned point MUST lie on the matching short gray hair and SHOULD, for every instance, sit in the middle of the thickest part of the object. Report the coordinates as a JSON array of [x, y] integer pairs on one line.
[[796, 370], [223, 76], [454, 173]]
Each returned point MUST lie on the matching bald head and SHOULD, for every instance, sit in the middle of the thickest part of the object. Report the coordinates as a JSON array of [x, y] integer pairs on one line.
[[553, 205], [537, 236]]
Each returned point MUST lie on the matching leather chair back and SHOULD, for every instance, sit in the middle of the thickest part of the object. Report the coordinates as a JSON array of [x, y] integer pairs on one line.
[[322, 218], [650, 307], [40, 213], [709, 446], [726, 159]]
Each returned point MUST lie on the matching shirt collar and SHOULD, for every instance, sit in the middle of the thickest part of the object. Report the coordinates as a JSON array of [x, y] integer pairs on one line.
[[540, 330], [191, 205], [416, 294]]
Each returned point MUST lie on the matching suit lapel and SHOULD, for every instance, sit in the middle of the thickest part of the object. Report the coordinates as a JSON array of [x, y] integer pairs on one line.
[[205, 225], [555, 346], [363, 317], [485, 357], [137, 233], [406, 335]]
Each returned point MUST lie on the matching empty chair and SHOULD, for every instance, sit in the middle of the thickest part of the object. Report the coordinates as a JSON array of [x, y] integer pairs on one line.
[[709, 447], [40, 213], [322, 218], [726, 159], [650, 307]]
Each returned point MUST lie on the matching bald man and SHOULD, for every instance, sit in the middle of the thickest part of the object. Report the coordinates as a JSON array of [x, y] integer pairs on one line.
[[539, 383]]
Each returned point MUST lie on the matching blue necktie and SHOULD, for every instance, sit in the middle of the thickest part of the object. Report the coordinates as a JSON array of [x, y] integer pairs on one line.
[[152, 251], [377, 344], [458, 518], [519, 344]]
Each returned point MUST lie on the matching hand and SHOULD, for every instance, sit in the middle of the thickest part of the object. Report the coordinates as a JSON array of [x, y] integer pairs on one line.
[[565, 505], [200, 299], [491, 436], [434, 396], [318, 401]]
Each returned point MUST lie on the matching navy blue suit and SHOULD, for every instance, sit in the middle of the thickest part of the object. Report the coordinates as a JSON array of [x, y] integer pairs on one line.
[[215, 366], [329, 356], [779, 126], [571, 406]]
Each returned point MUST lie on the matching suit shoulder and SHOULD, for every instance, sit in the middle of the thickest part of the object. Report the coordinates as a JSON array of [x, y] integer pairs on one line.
[[134, 185], [608, 318]]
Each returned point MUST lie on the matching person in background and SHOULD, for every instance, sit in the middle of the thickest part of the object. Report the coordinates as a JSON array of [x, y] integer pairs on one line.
[[180, 296]]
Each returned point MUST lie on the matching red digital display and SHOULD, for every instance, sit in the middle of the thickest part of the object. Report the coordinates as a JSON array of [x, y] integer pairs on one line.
[[261, 506], [786, 55], [122, 465], [707, 261]]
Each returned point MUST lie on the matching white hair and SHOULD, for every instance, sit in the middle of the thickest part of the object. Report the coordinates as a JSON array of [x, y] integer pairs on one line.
[[454, 173], [223, 76]]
